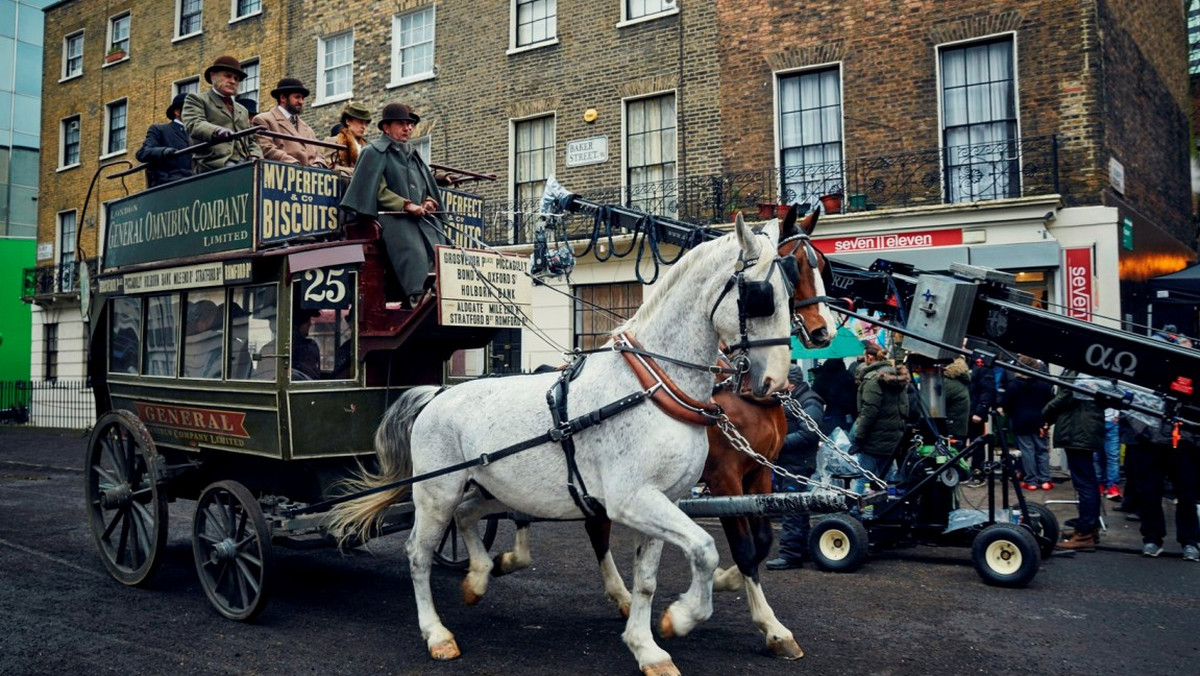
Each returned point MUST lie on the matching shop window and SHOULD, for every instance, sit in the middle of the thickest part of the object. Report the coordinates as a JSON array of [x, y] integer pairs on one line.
[[125, 335]]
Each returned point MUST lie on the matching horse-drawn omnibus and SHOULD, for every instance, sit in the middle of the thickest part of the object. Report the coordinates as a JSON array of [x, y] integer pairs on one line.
[[243, 346]]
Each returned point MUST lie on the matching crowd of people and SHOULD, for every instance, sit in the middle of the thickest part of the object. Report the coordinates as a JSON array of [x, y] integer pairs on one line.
[[875, 402], [387, 179]]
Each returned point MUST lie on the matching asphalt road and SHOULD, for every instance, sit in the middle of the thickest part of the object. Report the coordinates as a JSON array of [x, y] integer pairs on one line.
[[914, 611]]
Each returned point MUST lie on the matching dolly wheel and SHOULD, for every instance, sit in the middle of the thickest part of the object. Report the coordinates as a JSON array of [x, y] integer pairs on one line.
[[1005, 555], [1044, 526], [838, 543]]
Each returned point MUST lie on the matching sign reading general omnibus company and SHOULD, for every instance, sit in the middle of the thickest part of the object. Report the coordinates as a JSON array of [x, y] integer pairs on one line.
[[887, 242], [207, 214], [482, 288]]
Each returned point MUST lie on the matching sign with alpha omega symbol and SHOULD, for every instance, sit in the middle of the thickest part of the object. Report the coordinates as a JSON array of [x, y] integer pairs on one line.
[[482, 288]]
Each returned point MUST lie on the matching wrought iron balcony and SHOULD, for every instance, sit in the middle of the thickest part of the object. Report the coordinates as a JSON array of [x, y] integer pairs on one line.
[[969, 173], [47, 282]]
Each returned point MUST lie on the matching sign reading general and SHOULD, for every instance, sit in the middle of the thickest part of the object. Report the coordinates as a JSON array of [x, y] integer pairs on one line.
[[207, 214], [482, 288], [898, 240], [464, 217], [297, 202]]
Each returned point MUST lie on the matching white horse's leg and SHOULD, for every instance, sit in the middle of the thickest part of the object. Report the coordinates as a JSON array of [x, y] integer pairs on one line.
[[614, 585], [467, 517], [652, 660], [728, 579], [780, 641], [519, 558], [650, 512], [435, 501]]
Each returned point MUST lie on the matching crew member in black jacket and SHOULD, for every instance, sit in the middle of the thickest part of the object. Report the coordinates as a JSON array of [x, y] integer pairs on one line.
[[160, 149]]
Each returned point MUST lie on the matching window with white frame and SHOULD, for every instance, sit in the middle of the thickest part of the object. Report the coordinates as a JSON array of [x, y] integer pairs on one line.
[[189, 16], [66, 251], [118, 33], [412, 45], [115, 122], [979, 118], [72, 55], [810, 135], [50, 352], [248, 87], [642, 9], [535, 21], [335, 66], [244, 8], [189, 86], [650, 136], [533, 159], [69, 133]]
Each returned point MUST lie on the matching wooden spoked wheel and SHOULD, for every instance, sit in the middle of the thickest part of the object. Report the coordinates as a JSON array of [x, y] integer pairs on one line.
[[231, 543], [451, 552], [126, 504]]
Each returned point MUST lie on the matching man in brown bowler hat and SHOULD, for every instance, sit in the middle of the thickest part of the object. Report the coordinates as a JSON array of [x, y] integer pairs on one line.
[[215, 116], [285, 119], [394, 185]]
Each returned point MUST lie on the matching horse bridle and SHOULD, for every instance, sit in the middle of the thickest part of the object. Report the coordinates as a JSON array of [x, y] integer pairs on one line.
[[815, 258], [755, 299]]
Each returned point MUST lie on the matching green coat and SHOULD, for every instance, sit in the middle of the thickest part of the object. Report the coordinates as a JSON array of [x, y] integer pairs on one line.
[[956, 388], [203, 114], [882, 409], [388, 173], [1078, 423]]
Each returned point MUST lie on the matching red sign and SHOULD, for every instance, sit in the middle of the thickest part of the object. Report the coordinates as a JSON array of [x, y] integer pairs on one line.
[[898, 240], [1079, 282], [197, 419]]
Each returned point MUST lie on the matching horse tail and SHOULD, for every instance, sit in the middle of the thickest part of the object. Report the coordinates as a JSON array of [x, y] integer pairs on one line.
[[356, 521]]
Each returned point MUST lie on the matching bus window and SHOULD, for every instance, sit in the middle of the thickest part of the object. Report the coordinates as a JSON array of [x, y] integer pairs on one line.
[[162, 319], [203, 331], [125, 340], [252, 317]]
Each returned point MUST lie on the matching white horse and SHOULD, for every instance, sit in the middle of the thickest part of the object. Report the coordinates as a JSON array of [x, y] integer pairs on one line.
[[637, 464]]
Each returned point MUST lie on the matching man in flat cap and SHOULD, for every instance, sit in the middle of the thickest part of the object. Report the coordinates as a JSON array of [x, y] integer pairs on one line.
[[394, 185], [284, 118], [215, 116], [160, 149]]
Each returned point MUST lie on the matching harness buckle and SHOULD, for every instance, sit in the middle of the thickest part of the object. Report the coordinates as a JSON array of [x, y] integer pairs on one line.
[[561, 432], [485, 460]]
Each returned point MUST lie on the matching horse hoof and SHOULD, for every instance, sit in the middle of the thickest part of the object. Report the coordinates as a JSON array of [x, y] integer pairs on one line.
[[469, 596], [661, 669], [624, 609], [446, 650], [785, 649]]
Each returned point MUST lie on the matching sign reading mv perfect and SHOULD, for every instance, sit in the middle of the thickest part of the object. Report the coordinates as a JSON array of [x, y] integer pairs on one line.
[[482, 288], [297, 202]]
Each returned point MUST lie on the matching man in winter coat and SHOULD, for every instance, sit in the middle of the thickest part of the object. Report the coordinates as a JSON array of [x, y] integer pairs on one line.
[[284, 118], [983, 397], [215, 116], [1078, 421], [798, 456], [882, 410], [1023, 401], [956, 388], [393, 184], [835, 384], [160, 150]]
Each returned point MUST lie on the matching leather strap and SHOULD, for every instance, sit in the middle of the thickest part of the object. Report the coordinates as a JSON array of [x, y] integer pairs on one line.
[[663, 391]]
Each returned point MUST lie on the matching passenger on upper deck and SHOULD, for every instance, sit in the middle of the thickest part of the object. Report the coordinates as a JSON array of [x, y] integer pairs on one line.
[[355, 118], [393, 184], [214, 115], [285, 119], [159, 150]]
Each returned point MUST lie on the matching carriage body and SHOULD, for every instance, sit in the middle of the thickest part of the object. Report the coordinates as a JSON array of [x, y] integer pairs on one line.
[[241, 336]]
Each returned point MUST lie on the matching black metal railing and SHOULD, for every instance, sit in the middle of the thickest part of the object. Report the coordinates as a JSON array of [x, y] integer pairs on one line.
[[66, 404], [52, 280], [969, 173]]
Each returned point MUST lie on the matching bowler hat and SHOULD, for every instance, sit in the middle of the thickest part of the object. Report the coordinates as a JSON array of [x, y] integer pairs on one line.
[[397, 112], [357, 111], [226, 63], [288, 85], [176, 104]]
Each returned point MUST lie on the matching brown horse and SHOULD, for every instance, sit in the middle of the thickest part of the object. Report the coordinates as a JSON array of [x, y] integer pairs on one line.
[[728, 471]]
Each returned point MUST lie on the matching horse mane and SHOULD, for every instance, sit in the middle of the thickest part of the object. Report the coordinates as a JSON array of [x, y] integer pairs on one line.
[[700, 255]]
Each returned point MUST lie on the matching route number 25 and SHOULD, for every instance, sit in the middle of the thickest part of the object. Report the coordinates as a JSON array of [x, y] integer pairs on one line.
[[326, 288]]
